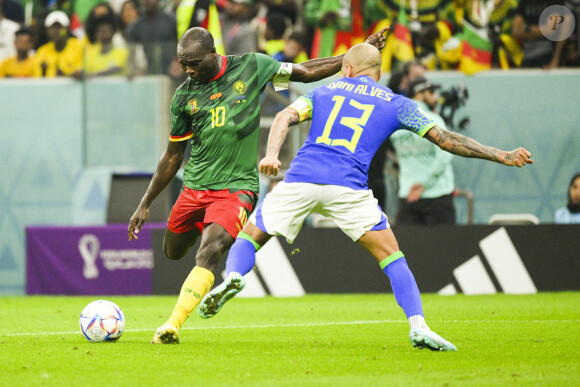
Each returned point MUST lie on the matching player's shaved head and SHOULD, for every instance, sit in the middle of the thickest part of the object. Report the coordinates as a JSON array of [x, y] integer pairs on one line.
[[197, 55], [196, 38], [363, 59]]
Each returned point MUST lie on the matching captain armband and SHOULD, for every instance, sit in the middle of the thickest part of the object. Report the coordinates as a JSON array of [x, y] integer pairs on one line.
[[282, 76], [304, 109]]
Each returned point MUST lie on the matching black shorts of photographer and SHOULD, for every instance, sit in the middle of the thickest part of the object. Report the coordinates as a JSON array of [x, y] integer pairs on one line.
[[439, 210]]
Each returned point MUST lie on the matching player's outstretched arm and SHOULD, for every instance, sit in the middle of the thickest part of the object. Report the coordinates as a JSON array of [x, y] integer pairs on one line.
[[467, 147], [270, 165], [167, 168], [320, 68]]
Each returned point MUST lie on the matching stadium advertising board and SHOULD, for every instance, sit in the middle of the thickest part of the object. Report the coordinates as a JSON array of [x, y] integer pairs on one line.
[[88, 260], [444, 259]]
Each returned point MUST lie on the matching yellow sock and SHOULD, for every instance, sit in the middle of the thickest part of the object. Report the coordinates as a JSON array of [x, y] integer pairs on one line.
[[195, 287]]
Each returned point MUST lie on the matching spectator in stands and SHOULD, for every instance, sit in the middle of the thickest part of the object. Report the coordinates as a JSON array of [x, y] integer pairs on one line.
[[571, 213], [497, 20], [198, 13], [85, 9], [201, 13], [41, 10], [327, 17], [427, 26], [63, 54], [240, 35], [104, 57], [8, 30], [96, 14], [128, 16], [538, 51], [426, 181], [570, 54], [20, 65], [287, 8], [12, 10], [273, 41], [294, 50], [157, 32]]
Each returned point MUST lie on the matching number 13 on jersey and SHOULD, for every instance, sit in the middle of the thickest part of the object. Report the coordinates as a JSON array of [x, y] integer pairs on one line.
[[355, 123]]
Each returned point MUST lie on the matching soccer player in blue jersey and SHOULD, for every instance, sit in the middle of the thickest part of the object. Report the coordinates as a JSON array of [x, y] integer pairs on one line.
[[350, 120]]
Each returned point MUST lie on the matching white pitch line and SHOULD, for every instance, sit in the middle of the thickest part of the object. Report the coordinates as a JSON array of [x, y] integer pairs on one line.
[[311, 325], [224, 327]]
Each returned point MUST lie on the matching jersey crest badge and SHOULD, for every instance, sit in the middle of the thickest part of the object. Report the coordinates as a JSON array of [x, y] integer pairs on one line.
[[192, 105], [240, 87]]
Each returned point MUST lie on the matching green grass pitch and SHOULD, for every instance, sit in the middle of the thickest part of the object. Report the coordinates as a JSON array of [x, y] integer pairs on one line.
[[330, 340]]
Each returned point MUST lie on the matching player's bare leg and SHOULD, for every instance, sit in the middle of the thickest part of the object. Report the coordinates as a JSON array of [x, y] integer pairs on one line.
[[240, 261], [176, 245], [383, 245], [214, 242]]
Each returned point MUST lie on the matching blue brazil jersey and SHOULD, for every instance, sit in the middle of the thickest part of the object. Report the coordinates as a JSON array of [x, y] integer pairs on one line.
[[350, 120]]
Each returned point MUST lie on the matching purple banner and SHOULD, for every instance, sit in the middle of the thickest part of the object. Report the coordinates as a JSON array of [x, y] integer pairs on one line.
[[96, 260]]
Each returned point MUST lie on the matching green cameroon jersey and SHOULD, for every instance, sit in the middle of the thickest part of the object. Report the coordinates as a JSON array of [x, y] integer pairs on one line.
[[222, 118]]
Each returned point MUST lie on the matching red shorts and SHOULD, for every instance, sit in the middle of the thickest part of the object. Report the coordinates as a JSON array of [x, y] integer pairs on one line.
[[230, 209]]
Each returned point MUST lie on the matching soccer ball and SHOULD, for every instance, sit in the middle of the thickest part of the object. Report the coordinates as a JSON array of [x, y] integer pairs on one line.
[[102, 321]]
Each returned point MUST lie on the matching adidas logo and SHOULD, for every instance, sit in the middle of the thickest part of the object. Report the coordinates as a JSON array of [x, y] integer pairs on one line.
[[278, 278], [505, 263], [276, 272]]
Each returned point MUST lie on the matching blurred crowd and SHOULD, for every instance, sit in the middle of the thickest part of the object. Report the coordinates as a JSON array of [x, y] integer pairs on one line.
[[85, 38]]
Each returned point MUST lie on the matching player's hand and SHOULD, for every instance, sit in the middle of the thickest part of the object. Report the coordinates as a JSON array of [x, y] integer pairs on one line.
[[415, 192], [518, 158], [269, 166], [378, 40], [137, 221]]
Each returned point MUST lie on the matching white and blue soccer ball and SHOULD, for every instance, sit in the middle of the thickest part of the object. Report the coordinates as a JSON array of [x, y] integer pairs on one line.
[[102, 321]]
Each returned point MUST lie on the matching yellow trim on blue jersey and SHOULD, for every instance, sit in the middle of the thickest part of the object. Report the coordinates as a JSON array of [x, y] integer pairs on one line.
[[426, 128], [304, 108]]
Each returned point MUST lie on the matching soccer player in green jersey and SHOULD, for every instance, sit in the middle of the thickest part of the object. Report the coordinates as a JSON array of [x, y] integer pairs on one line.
[[218, 109]]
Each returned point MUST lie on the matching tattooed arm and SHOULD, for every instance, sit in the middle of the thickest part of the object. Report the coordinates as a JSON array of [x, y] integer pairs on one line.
[[467, 147], [270, 165]]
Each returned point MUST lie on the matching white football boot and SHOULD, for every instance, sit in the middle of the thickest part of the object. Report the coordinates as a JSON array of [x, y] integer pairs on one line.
[[211, 304], [425, 338]]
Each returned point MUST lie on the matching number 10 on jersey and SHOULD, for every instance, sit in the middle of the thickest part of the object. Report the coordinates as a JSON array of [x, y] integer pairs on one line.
[[218, 116]]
